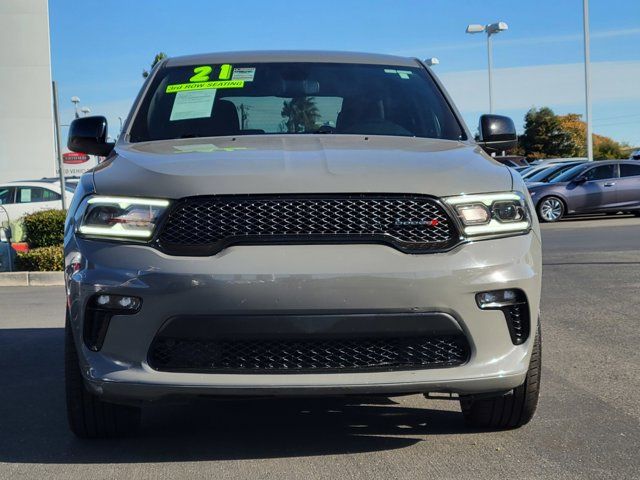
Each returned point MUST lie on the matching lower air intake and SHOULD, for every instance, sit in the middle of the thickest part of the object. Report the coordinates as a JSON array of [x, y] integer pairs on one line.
[[307, 356]]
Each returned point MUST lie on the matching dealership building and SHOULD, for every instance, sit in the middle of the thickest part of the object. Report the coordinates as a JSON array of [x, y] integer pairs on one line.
[[27, 141]]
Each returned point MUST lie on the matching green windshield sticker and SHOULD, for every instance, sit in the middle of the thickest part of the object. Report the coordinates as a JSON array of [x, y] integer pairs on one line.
[[201, 74], [179, 87], [225, 72]]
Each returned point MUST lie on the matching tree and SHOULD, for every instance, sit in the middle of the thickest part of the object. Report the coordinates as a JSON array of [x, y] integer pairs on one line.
[[300, 114], [603, 147], [158, 58], [545, 137]]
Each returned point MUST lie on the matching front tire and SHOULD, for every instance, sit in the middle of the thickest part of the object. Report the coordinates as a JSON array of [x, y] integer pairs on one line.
[[88, 415], [504, 412], [550, 209]]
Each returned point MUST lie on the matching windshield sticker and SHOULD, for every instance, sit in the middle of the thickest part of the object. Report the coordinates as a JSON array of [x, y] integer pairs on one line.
[[192, 104], [205, 148], [225, 72], [244, 73], [179, 87], [404, 74], [201, 74]]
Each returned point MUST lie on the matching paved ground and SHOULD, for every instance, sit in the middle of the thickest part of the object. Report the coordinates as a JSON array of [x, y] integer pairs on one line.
[[588, 422]]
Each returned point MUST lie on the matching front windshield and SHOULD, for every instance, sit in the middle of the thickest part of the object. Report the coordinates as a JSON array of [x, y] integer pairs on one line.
[[293, 98], [550, 173], [568, 175]]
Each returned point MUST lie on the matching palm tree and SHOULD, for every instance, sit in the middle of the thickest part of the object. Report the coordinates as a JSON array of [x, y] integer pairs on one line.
[[301, 114]]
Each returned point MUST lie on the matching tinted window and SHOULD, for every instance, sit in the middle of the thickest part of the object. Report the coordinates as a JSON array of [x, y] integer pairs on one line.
[[627, 170], [6, 195], [550, 173], [602, 172], [293, 98], [36, 194]]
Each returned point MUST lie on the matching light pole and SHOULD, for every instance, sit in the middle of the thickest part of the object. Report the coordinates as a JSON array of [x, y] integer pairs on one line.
[[85, 111], [432, 61], [587, 79], [75, 100], [490, 29]]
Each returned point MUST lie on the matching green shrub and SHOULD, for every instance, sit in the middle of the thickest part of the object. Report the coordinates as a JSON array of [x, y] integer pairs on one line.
[[44, 228], [43, 259]]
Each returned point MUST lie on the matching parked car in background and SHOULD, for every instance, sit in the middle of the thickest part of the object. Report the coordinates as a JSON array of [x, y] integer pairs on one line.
[[28, 196], [635, 155], [552, 171], [591, 187], [512, 160], [533, 170], [551, 161]]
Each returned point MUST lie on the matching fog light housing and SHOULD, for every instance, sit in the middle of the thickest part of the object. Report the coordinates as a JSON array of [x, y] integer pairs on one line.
[[100, 309], [513, 304]]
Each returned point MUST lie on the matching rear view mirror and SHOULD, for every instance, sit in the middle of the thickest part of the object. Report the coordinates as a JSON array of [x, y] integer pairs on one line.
[[89, 135], [497, 133]]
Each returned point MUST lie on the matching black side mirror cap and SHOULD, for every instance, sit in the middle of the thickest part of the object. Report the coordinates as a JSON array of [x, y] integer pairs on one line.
[[497, 133], [89, 135], [580, 179]]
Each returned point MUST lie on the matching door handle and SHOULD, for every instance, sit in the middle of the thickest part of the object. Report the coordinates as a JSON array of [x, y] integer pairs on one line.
[[609, 184]]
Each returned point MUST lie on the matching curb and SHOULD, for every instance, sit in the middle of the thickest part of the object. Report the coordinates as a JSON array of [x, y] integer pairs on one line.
[[31, 279]]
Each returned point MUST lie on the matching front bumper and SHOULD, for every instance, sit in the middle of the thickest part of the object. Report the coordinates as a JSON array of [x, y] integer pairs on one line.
[[302, 280]]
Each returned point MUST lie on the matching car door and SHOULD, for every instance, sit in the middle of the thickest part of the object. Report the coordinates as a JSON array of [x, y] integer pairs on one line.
[[628, 185], [32, 199], [598, 192]]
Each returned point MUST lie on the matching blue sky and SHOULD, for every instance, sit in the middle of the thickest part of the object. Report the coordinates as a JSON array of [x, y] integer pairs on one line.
[[99, 48]]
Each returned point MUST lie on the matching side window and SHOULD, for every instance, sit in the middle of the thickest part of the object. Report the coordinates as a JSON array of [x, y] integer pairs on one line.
[[628, 170], [49, 195], [6, 195], [33, 194], [600, 173]]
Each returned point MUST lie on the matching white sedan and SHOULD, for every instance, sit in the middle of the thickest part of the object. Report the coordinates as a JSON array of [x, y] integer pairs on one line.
[[20, 198]]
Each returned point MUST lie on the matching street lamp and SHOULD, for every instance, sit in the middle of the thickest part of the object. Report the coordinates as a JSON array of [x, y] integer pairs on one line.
[[75, 100], [432, 61], [85, 111], [587, 79], [490, 29]]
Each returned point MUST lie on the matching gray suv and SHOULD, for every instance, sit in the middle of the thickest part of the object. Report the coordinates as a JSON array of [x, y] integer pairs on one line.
[[297, 224]]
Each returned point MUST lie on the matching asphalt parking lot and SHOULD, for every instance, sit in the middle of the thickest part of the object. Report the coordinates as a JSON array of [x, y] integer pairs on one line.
[[587, 425]]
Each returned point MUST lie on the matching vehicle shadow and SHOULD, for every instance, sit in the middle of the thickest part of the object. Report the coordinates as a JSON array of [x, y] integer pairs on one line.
[[33, 426]]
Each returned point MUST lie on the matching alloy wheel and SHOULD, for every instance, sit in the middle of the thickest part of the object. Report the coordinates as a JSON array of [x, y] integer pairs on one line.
[[551, 209]]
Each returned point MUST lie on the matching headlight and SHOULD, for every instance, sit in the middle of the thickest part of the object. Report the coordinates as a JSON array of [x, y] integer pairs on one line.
[[492, 213], [121, 217]]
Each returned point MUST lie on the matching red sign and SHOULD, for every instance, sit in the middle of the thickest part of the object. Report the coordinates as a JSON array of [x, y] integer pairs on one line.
[[74, 157]]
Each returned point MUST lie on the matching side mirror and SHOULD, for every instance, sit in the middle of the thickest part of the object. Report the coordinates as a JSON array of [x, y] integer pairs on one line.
[[89, 135], [497, 133], [580, 179]]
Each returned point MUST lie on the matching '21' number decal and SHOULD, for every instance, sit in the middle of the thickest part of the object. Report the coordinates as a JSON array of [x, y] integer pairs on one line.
[[201, 74]]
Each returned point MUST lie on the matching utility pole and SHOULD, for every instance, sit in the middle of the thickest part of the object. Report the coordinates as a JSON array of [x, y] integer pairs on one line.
[[56, 119], [587, 78]]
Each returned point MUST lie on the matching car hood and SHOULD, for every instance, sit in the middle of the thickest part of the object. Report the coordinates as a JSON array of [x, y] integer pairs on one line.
[[300, 164], [534, 184]]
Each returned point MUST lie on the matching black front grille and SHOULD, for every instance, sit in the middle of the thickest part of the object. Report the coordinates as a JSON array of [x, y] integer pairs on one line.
[[206, 225], [307, 356]]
